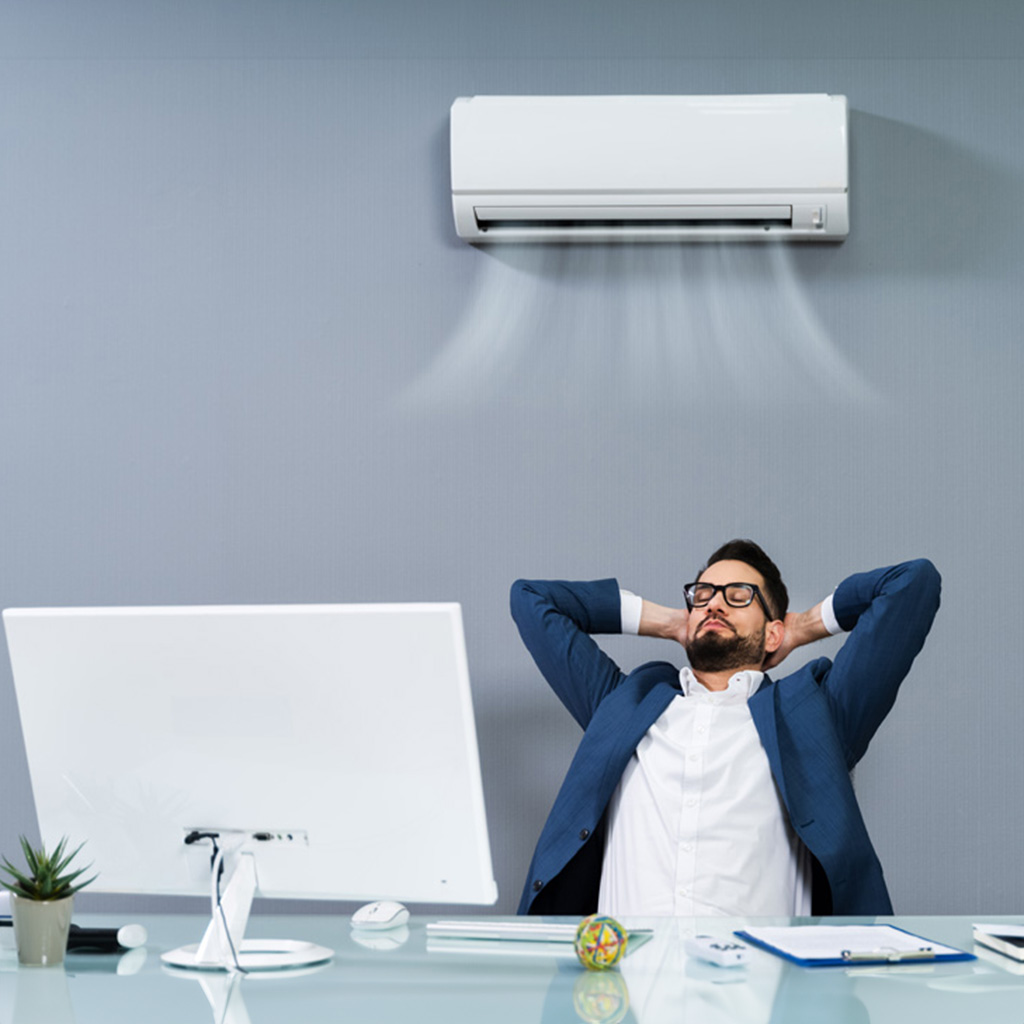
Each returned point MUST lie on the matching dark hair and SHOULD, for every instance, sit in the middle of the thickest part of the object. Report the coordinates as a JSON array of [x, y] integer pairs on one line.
[[752, 554]]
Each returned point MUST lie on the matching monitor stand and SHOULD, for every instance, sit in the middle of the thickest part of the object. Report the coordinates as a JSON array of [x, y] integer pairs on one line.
[[224, 947]]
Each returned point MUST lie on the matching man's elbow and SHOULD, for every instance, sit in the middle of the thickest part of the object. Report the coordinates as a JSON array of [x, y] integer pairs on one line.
[[521, 594], [926, 580], [926, 573]]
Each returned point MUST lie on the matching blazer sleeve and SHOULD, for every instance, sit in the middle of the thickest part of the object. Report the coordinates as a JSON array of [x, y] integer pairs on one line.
[[888, 613], [556, 620]]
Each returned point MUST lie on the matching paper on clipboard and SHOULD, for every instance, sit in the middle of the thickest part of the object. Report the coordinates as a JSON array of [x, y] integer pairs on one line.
[[844, 944]]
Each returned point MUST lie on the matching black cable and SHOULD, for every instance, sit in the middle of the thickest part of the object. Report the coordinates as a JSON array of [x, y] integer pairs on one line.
[[224, 919]]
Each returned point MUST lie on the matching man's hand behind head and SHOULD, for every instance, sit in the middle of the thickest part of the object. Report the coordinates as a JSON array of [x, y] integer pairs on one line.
[[667, 623], [800, 628]]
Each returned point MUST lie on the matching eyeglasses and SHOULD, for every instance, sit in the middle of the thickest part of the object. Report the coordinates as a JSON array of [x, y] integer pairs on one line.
[[737, 595]]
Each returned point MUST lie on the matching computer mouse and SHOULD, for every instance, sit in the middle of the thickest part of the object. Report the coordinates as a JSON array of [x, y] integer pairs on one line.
[[380, 915]]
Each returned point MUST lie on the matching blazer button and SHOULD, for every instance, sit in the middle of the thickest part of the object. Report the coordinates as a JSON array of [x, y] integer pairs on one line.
[[584, 833], [538, 885]]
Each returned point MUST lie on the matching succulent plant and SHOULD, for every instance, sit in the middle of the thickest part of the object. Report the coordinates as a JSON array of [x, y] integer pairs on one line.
[[47, 877]]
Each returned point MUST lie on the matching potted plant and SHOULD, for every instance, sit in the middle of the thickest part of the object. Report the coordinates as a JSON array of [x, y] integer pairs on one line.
[[41, 901]]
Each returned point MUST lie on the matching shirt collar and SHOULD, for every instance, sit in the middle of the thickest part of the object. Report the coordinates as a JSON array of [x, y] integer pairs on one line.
[[742, 684]]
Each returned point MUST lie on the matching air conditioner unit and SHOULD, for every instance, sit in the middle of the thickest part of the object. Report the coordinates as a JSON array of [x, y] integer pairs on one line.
[[649, 168]]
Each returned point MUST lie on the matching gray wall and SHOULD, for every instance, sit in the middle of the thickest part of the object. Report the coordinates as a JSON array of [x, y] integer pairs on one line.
[[245, 359]]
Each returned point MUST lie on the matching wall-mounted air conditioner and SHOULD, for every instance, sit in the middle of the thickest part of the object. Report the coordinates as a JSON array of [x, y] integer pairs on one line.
[[650, 168]]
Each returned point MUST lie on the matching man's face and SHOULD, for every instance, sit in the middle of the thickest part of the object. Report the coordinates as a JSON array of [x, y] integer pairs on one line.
[[720, 637]]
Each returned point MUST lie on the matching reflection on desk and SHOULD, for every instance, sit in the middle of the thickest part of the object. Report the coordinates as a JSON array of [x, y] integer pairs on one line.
[[409, 983]]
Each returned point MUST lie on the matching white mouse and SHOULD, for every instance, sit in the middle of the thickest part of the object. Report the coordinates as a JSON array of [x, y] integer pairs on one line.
[[380, 915]]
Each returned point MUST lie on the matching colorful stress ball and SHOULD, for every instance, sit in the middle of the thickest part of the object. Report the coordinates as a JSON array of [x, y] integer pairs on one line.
[[600, 942]]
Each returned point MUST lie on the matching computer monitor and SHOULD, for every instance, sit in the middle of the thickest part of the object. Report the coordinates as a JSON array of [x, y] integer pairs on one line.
[[329, 750]]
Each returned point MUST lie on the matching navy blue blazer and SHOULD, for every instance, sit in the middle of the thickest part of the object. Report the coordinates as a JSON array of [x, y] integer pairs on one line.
[[814, 724]]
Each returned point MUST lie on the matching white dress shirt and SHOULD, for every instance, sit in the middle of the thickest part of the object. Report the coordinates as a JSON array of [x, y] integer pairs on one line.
[[696, 825]]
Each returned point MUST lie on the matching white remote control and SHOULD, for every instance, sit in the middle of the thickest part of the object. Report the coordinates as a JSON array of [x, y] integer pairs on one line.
[[721, 952]]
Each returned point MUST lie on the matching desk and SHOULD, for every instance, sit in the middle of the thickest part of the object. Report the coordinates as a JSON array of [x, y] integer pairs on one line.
[[415, 984]]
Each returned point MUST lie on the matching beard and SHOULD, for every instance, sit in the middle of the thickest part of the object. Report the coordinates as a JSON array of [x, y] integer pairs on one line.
[[715, 651]]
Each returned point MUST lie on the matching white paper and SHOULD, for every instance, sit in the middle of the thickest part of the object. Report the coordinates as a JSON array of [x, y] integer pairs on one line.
[[1016, 930]]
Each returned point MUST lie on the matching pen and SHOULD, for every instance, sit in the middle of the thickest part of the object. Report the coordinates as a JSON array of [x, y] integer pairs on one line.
[[100, 940], [891, 955]]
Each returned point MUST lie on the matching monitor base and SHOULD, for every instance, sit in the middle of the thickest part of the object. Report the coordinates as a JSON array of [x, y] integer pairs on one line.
[[254, 955], [223, 946]]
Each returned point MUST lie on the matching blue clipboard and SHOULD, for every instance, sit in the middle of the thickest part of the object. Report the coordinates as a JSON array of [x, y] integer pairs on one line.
[[850, 945]]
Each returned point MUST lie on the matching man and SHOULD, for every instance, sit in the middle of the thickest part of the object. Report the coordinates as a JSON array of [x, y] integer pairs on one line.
[[716, 790]]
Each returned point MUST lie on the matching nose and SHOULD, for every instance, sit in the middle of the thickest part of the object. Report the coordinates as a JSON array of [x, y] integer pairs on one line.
[[717, 603]]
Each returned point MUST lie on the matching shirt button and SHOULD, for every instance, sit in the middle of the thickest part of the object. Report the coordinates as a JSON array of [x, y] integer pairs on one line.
[[584, 833], [538, 885]]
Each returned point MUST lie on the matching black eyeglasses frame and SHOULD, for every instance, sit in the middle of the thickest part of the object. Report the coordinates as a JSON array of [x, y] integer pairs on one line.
[[721, 588]]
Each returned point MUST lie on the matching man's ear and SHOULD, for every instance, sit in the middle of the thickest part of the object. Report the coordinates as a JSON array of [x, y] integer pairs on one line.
[[774, 634]]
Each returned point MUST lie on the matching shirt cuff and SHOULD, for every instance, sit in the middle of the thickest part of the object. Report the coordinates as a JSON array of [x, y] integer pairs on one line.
[[631, 608], [828, 617]]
